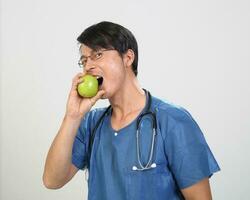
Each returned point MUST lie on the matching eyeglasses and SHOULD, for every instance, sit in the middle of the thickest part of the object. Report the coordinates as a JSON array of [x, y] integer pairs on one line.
[[95, 55]]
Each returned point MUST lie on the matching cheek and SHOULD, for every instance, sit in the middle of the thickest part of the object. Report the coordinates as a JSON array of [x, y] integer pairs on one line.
[[115, 71]]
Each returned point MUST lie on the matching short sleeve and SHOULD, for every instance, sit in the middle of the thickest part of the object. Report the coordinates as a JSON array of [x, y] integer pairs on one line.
[[79, 150], [190, 158]]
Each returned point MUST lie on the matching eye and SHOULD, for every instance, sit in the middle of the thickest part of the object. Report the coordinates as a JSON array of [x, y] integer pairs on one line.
[[83, 61], [98, 55]]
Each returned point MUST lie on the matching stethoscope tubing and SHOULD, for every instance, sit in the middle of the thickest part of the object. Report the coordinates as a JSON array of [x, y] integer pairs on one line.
[[149, 164]]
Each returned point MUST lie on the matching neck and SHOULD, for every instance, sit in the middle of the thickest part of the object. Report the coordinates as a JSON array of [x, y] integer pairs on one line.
[[128, 100]]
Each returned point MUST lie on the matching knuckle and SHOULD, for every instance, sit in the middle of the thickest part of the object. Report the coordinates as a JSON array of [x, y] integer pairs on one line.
[[76, 76]]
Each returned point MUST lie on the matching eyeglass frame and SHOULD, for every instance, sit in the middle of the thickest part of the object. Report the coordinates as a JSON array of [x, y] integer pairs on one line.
[[92, 57]]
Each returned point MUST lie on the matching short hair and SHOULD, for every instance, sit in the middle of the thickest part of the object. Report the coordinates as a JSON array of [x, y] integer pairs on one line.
[[110, 35]]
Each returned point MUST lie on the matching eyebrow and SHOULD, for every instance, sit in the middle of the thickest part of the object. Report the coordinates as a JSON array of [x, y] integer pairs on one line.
[[83, 56]]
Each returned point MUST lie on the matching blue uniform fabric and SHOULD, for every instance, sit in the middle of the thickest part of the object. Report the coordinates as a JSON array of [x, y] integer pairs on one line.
[[181, 154]]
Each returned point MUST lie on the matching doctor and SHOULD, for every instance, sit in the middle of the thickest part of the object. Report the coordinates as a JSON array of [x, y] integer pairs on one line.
[[162, 155]]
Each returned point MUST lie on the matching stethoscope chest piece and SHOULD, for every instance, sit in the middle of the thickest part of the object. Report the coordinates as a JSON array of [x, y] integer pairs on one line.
[[134, 168]]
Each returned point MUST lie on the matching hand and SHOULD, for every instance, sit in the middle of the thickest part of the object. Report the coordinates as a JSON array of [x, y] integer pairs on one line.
[[78, 106]]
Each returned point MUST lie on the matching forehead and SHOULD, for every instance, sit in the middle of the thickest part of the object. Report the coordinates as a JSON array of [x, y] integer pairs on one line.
[[85, 50]]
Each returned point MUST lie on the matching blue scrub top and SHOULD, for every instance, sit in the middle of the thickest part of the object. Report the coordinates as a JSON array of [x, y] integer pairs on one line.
[[181, 154]]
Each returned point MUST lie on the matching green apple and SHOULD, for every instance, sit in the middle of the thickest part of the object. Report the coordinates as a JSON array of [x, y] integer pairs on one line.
[[88, 87]]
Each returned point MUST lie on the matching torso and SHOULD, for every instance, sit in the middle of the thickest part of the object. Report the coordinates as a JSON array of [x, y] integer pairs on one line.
[[114, 155]]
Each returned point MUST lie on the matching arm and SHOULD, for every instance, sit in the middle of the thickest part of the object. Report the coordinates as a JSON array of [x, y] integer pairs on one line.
[[58, 168], [198, 191], [190, 158]]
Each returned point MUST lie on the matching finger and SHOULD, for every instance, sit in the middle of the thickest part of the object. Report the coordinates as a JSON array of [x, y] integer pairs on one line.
[[97, 96], [76, 80], [77, 76], [80, 80]]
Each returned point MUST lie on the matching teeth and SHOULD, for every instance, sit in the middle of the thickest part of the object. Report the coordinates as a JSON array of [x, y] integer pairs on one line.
[[97, 77]]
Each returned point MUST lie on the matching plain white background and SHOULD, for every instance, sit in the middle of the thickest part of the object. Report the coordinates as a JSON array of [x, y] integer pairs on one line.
[[193, 53]]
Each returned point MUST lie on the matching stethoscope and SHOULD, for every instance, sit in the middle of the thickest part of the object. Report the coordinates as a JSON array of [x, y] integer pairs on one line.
[[150, 164]]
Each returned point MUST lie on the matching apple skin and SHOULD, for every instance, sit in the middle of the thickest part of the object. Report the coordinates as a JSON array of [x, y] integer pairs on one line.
[[88, 87]]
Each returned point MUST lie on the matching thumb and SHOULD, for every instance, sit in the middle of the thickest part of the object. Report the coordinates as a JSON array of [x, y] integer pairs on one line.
[[97, 96]]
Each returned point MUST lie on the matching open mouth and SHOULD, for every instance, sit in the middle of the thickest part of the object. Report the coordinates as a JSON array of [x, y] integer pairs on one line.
[[100, 81]]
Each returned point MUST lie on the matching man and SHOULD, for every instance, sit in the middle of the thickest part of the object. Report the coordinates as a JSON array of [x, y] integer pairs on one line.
[[173, 164]]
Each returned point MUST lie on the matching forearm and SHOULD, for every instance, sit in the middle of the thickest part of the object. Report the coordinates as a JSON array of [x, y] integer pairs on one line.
[[199, 191], [58, 160], [199, 198]]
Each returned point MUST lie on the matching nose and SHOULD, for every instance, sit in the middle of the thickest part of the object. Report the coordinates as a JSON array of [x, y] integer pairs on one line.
[[89, 65]]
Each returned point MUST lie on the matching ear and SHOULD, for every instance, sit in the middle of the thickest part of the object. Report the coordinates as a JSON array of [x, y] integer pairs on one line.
[[128, 58]]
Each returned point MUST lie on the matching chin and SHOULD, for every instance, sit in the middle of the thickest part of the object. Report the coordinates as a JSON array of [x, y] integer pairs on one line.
[[109, 92]]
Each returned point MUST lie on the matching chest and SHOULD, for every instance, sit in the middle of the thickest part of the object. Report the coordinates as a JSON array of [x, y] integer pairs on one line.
[[120, 147], [115, 155], [119, 123]]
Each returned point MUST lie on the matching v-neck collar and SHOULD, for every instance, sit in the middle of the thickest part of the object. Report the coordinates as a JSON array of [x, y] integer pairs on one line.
[[132, 122]]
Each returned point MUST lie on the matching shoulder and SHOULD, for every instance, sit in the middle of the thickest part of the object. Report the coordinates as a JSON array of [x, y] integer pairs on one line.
[[173, 118], [176, 124], [169, 109], [91, 117], [95, 113]]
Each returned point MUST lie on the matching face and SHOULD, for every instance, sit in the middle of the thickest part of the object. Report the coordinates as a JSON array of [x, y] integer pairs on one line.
[[107, 64]]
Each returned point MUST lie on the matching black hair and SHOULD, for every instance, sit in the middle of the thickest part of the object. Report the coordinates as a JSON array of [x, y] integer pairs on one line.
[[109, 35]]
